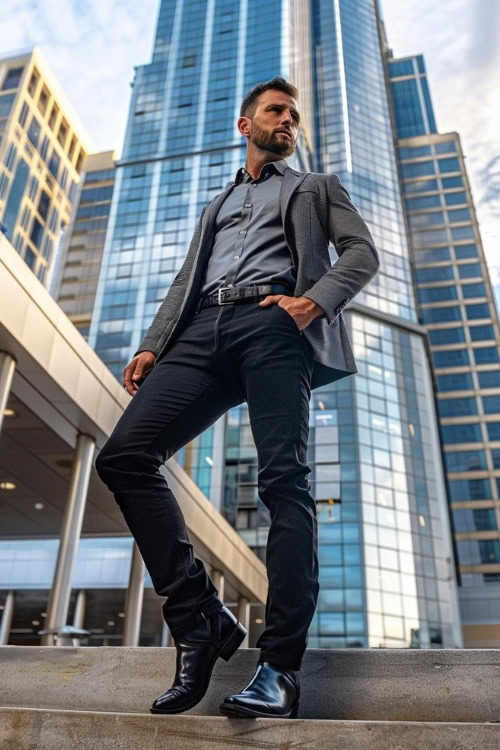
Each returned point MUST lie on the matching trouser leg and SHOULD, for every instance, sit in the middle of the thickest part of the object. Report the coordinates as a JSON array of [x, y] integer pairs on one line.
[[276, 374], [182, 396]]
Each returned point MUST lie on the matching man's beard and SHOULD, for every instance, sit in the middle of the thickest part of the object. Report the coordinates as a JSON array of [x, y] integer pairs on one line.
[[272, 142]]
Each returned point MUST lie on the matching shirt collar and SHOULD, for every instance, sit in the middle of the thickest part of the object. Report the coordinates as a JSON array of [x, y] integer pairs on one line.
[[280, 166]]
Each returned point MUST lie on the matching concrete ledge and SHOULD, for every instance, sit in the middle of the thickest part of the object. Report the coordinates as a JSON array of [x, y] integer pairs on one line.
[[459, 685], [43, 729]]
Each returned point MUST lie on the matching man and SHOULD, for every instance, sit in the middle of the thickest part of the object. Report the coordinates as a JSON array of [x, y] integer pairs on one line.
[[253, 315]]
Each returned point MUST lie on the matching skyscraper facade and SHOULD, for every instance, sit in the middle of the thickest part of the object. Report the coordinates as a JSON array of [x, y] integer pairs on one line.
[[386, 561], [43, 148], [456, 305]]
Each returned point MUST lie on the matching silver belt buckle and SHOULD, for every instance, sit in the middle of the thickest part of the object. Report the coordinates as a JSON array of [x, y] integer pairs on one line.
[[223, 289]]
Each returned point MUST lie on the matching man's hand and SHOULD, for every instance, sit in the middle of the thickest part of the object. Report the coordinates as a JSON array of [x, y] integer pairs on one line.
[[138, 368], [302, 309]]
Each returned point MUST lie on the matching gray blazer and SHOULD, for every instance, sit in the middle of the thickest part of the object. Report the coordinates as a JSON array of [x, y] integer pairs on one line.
[[316, 209]]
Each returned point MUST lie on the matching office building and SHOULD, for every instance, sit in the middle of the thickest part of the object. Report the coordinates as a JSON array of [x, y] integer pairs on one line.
[[386, 557], [456, 304], [77, 266], [43, 147]]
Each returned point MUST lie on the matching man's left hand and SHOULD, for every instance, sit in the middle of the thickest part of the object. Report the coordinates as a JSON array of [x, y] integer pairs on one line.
[[302, 309]]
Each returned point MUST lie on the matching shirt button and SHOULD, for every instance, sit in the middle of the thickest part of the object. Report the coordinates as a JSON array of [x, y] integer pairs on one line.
[[242, 231], [236, 257]]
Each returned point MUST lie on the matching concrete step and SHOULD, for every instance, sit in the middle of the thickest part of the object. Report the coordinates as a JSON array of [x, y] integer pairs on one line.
[[49, 729], [450, 685]]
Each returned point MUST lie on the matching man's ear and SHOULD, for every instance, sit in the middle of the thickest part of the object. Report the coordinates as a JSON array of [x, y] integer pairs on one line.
[[243, 124]]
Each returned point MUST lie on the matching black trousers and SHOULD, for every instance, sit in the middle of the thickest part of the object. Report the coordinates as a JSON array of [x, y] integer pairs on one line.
[[222, 356]]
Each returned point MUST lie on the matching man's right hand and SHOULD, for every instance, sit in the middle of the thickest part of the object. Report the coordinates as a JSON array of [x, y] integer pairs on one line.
[[137, 370]]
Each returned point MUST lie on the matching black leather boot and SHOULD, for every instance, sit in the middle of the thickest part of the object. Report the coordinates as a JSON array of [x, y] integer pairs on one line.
[[272, 692], [197, 651]]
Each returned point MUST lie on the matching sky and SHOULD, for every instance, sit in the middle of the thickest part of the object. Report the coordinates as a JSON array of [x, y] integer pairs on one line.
[[93, 46]]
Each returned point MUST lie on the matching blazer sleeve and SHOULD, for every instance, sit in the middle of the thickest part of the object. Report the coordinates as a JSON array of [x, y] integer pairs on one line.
[[174, 298], [358, 260]]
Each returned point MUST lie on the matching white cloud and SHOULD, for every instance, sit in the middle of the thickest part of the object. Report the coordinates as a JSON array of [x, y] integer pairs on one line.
[[459, 41], [92, 48]]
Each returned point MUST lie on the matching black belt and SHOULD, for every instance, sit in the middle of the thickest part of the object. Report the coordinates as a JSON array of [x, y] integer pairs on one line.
[[228, 294]]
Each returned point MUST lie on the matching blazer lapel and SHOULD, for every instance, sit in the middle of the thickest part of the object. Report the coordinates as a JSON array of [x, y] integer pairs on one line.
[[291, 181]]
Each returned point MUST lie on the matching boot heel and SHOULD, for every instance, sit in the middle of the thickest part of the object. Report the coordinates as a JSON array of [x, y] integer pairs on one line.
[[233, 642]]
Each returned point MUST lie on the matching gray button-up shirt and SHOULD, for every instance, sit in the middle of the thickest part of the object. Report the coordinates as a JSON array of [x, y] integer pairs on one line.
[[249, 245]]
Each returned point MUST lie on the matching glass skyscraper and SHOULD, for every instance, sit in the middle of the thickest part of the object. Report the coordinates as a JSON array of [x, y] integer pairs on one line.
[[386, 560], [457, 306]]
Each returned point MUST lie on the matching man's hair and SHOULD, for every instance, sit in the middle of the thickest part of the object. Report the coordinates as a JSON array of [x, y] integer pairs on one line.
[[249, 103]]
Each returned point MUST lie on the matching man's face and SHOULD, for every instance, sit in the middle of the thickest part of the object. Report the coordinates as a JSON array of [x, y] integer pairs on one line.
[[276, 112]]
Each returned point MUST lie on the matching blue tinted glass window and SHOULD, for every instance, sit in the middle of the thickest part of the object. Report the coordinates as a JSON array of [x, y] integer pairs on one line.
[[30, 258], [457, 407], [426, 220], [459, 214], [420, 186], [401, 68], [449, 165], [466, 270], [474, 290], [489, 379], [421, 239], [452, 182], [445, 148], [469, 519], [465, 251], [491, 404], [465, 461], [425, 201], [489, 549], [428, 275], [458, 382], [461, 433], [462, 233], [12, 79], [477, 311], [415, 169], [412, 152], [447, 336], [34, 131], [451, 358], [452, 199], [493, 430], [15, 195], [436, 294], [434, 255], [480, 333], [5, 104], [495, 455], [54, 164], [440, 314], [486, 355], [36, 233], [469, 489]]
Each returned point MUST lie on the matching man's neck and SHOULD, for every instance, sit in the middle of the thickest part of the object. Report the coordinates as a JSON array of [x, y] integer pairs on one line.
[[254, 163]]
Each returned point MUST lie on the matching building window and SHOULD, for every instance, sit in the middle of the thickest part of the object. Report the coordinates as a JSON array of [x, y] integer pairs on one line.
[[486, 355], [43, 205], [44, 147], [5, 105], [33, 83], [10, 157], [53, 116], [36, 233], [449, 165], [54, 164], [11, 80], [34, 131], [43, 100], [30, 258], [23, 114]]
